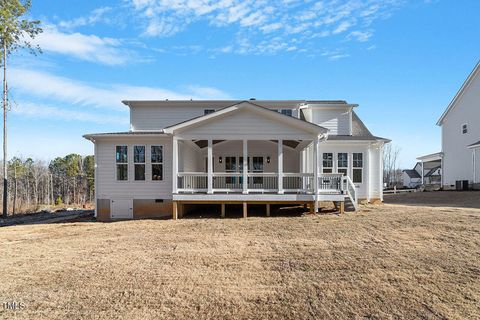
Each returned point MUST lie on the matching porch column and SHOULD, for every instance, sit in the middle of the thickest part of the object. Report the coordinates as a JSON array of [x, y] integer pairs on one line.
[[210, 167], [175, 165], [315, 172], [280, 167], [245, 166], [423, 173]]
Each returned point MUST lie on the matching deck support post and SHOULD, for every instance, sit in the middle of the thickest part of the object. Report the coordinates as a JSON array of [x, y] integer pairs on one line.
[[175, 210], [245, 167], [222, 214], [268, 209], [312, 207], [280, 166], [210, 167], [342, 207], [245, 213], [181, 209], [174, 165], [315, 171]]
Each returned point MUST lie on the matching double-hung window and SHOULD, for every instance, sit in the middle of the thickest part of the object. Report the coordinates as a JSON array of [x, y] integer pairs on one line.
[[342, 163], [357, 167], [208, 111], [139, 162], [156, 158], [327, 163], [121, 159], [464, 128], [287, 112]]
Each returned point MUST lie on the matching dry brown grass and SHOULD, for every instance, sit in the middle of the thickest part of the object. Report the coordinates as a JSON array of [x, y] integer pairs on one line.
[[386, 262]]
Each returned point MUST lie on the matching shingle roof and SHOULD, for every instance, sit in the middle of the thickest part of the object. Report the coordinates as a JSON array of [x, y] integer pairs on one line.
[[91, 136], [432, 171], [412, 173], [226, 103]]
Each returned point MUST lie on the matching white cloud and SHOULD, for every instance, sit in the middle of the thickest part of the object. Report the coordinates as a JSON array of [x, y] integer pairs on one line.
[[261, 22], [94, 17], [30, 83], [81, 46], [35, 110], [342, 27], [361, 36]]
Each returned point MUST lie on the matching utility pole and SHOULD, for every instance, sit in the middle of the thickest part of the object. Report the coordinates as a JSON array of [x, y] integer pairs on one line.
[[5, 171]]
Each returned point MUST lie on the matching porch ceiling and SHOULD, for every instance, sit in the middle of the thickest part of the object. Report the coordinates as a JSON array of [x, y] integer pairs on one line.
[[288, 143]]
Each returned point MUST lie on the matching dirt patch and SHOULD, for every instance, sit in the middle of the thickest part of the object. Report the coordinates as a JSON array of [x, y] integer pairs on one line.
[[385, 262], [462, 199]]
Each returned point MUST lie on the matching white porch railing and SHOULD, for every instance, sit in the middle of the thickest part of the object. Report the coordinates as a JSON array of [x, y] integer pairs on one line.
[[330, 182], [227, 182], [191, 182], [298, 182], [262, 182]]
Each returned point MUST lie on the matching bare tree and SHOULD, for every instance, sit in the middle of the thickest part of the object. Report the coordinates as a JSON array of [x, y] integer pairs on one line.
[[390, 165]]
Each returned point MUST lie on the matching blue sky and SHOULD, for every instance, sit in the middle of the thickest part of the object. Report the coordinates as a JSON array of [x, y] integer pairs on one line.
[[401, 61]]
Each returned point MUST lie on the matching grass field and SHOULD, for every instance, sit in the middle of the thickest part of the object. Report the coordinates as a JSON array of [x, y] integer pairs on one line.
[[386, 262]]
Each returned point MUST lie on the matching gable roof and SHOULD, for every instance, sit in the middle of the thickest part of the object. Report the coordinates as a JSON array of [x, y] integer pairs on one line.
[[460, 92], [249, 105], [359, 132], [412, 174]]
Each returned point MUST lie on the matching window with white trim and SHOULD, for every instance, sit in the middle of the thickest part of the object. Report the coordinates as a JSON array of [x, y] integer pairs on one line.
[[464, 128], [342, 163], [287, 112], [121, 159], [357, 172], [139, 162], [208, 111], [327, 163], [156, 159]]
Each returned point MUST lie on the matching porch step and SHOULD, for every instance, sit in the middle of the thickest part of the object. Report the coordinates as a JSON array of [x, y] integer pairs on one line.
[[349, 205]]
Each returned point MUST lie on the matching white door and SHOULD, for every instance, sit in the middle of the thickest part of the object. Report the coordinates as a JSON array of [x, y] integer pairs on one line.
[[121, 209]]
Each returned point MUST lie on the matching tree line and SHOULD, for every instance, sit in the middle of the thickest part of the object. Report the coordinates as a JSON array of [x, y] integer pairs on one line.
[[34, 184]]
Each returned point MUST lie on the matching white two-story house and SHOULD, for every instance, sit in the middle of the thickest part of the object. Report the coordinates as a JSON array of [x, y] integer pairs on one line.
[[460, 124], [235, 152]]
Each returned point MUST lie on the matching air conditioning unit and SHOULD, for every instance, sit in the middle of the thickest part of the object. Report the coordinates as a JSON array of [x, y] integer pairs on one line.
[[461, 185]]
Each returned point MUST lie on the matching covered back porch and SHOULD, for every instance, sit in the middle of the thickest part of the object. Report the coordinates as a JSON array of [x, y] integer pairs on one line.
[[249, 153]]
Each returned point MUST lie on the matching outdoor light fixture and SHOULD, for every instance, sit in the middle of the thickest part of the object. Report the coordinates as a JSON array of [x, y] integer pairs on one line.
[[220, 159], [268, 159]]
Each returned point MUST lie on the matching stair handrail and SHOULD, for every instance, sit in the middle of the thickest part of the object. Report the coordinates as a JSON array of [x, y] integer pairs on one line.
[[349, 187]]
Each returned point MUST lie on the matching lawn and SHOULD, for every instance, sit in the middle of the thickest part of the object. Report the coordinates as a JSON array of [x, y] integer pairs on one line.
[[387, 261]]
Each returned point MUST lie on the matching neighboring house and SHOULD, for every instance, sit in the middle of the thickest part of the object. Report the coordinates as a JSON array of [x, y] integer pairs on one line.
[[411, 178], [194, 152], [460, 125]]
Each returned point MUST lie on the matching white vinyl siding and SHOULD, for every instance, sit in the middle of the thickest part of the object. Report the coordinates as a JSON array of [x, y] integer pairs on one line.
[[107, 185], [457, 158], [157, 118], [244, 122], [337, 120]]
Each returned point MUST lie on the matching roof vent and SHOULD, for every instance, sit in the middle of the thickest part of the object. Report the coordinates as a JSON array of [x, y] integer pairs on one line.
[[252, 99]]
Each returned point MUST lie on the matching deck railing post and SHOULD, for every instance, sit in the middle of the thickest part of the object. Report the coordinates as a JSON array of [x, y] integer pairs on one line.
[[280, 167], [210, 167]]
